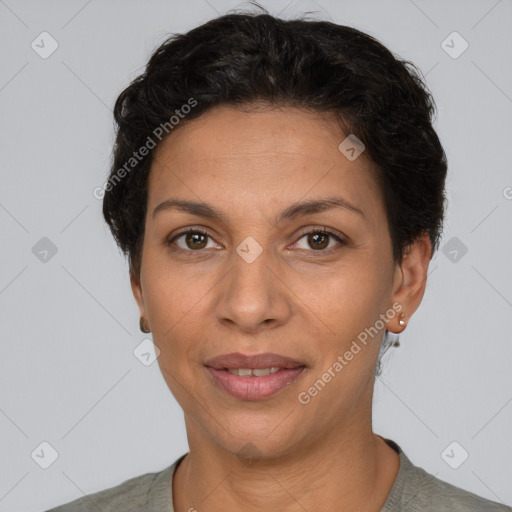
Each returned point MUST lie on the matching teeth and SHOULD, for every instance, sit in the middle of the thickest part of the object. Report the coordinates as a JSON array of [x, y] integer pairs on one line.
[[248, 372], [259, 372]]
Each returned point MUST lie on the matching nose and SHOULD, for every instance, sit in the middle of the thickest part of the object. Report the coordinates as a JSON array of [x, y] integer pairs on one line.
[[253, 296]]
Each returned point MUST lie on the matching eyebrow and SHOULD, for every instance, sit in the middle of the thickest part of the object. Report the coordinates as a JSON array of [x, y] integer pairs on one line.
[[297, 209]]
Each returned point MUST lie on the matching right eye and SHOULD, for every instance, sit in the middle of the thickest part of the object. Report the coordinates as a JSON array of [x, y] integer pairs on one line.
[[194, 240]]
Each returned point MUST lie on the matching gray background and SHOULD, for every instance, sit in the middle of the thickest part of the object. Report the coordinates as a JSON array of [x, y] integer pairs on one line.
[[69, 324]]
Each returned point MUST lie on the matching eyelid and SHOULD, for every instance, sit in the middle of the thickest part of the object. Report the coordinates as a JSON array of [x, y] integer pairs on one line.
[[322, 229]]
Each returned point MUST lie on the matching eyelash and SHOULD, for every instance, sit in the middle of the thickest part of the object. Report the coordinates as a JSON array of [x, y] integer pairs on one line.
[[199, 231]]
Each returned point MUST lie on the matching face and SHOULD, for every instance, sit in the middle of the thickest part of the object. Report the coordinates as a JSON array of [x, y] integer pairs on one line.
[[253, 279]]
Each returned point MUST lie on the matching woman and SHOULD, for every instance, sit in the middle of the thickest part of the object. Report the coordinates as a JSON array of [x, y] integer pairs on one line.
[[278, 189]]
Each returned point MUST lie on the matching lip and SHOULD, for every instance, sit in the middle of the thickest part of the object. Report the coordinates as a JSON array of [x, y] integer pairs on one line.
[[255, 388], [264, 360]]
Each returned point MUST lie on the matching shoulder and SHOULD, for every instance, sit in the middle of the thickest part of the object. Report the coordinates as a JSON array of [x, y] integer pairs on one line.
[[133, 495], [428, 491], [416, 490], [133, 491]]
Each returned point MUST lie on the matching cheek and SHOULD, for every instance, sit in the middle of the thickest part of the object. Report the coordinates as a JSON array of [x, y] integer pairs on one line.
[[346, 309], [171, 294], [345, 299], [170, 308]]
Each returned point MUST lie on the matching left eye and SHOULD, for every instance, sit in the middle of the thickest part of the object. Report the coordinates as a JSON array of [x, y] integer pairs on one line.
[[319, 240]]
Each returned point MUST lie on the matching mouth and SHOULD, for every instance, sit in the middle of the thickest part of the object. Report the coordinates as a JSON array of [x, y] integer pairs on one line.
[[267, 360], [254, 377]]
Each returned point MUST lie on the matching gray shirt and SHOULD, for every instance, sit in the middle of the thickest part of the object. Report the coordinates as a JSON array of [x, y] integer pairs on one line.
[[414, 490]]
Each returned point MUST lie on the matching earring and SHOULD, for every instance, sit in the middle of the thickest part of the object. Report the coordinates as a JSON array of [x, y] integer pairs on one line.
[[142, 328], [401, 321]]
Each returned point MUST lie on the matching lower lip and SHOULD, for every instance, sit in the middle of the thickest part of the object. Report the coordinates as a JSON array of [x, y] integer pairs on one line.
[[255, 388]]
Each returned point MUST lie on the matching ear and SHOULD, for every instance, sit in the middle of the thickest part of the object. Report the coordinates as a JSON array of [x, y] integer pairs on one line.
[[410, 281], [137, 292]]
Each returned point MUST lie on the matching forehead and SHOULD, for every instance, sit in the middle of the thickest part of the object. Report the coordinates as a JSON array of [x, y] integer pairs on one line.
[[282, 152], [229, 132]]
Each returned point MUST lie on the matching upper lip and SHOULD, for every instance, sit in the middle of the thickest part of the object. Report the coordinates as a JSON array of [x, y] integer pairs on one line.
[[264, 360]]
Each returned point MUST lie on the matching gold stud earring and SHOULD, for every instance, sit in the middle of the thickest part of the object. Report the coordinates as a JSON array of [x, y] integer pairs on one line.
[[142, 328]]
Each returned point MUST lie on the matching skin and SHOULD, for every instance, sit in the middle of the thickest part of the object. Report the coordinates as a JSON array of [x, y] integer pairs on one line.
[[293, 299]]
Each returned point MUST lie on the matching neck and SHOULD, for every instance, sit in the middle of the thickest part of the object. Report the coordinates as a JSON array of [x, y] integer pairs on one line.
[[349, 472]]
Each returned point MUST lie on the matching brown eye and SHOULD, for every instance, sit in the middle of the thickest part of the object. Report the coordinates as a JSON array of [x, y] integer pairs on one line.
[[193, 240], [318, 240]]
